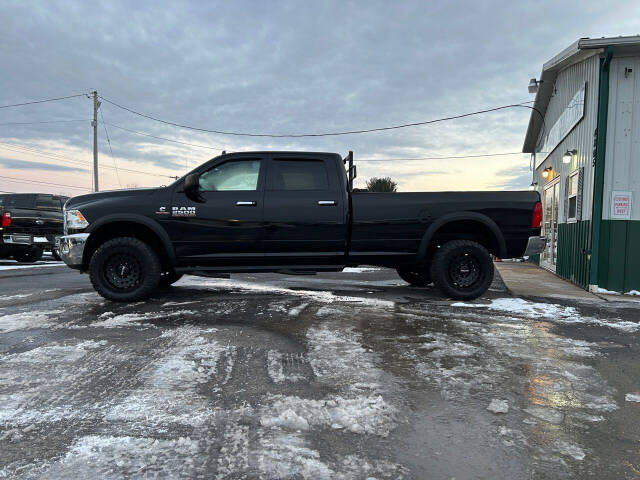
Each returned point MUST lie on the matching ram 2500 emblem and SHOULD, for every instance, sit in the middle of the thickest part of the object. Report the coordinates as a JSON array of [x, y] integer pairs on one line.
[[183, 211]]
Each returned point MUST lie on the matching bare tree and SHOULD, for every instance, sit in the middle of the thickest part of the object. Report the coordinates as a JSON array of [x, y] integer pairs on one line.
[[384, 184]]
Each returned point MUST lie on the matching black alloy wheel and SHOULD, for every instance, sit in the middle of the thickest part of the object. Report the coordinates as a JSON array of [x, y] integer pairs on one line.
[[124, 269], [462, 269]]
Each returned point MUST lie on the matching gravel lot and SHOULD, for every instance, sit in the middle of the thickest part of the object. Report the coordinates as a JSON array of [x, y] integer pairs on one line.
[[352, 375]]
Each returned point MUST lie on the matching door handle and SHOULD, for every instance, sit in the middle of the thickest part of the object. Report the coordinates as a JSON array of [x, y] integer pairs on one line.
[[246, 204], [326, 202]]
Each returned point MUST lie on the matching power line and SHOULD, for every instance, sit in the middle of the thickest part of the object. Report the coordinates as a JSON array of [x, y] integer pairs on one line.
[[45, 121], [55, 156], [326, 134], [115, 165], [42, 101], [163, 138], [24, 180]]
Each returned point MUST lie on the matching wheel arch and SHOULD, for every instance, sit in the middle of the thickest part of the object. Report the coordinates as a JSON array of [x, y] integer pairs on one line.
[[138, 226], [486, 231]]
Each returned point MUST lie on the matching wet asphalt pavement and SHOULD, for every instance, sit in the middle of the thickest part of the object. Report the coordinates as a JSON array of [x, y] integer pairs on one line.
[[349, 375]]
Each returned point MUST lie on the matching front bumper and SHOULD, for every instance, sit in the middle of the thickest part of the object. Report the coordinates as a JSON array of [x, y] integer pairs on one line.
[[535, 245], [29, 239], [71, 249]]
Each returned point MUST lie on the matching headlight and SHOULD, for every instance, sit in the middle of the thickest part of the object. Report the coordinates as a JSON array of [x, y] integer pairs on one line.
[[74, 220]]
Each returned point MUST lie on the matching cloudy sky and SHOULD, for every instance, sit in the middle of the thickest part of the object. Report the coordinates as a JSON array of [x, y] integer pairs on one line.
[[280, 67]]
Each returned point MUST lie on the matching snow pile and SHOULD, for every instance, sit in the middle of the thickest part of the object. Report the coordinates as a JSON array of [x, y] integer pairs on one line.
[[604, 291], [362, 414], [498, 406]]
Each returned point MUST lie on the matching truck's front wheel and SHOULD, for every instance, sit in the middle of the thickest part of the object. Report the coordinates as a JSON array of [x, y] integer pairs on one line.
[[124, 269], [462, 269]]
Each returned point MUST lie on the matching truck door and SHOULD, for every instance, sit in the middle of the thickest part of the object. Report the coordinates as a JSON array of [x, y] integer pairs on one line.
[[227, 227], [304, 212]]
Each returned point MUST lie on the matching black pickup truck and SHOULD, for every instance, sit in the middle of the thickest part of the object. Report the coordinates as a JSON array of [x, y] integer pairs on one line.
[[30, 223], [292, 212]]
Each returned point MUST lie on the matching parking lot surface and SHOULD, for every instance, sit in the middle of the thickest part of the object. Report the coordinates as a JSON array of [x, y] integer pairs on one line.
[[349, 376]]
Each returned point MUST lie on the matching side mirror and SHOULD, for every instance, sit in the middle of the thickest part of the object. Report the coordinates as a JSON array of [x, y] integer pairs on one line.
[[192, 187]]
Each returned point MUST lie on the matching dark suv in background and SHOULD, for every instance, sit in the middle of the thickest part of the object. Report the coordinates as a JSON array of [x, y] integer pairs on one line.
[[30, 223]]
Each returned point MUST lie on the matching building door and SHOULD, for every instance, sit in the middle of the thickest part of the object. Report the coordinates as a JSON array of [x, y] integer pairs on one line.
[[550, 202]]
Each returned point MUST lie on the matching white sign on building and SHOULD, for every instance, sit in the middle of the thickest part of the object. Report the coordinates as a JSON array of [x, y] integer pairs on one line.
[[621, 203]]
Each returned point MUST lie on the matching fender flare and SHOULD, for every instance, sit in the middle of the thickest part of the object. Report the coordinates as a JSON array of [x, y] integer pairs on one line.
[[142, 220], [457, 216]]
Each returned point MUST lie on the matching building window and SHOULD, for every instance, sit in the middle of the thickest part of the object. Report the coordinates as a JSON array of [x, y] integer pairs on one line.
[[572, 196]]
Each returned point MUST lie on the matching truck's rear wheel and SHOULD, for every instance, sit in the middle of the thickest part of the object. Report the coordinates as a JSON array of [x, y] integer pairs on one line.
[[124, 269], [29, 256], [415, 275], [462, 269]]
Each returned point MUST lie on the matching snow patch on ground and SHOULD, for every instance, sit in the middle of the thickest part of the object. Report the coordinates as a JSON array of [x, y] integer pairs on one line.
[[135, 319], [329, 312], [498, 406], [570, 449], [548, 311], [360, 269], [317, 295], [97, 456], [27, 320], [632, 397], [297, 310], [633, 292], [169, 392]]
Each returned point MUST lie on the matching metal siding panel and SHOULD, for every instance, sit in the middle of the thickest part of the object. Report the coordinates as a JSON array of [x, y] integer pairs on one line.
[[622, 166], [573, 241], [568, 82]]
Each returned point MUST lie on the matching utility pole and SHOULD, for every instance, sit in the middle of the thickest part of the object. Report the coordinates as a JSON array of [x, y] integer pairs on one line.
[[96, 105]]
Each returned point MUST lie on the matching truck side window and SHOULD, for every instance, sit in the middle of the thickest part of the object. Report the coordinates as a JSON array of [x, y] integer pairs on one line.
[[300, 175], [232, 175], [47, 202]]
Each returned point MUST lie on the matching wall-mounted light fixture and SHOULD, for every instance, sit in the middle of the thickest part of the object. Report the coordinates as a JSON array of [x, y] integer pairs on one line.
[[533, 185], [533, 85], [546, 172], [568, 156]]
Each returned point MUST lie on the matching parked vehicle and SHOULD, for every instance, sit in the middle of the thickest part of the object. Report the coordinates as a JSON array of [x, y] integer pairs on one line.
[[31, 223], [292, 212]]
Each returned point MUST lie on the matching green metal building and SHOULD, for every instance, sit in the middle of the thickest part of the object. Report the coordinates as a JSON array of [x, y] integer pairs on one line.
[[584, 141]]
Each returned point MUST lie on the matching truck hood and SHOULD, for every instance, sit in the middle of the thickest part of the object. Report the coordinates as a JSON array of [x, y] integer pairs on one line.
[[75, 202]]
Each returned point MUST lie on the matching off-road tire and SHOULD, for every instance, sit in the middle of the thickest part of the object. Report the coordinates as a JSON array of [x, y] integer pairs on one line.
[[28, 256], [417, 276], [462, 269], [124, 269], [169, 278]]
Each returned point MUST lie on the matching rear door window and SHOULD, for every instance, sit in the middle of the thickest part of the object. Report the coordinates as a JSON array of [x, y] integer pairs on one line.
[[47, 202], [303, 174]]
